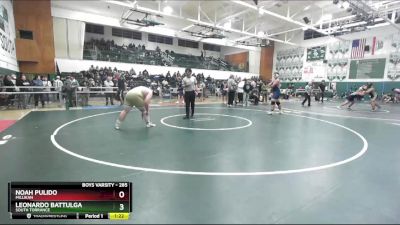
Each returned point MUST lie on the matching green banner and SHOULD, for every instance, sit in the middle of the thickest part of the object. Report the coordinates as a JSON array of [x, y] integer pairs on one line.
[[316, 53]]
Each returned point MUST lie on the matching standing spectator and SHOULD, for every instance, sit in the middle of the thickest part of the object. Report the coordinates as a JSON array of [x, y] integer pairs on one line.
[[121, 89], [37, 82], [202, 90], [109, 88], [322, 90], [70, 86], [180, 91], [255, 95], [9, 83], [58, 86], [223, 90], [47, 85], [333, 84], [240, 91], [232, 87], [246, 92], [307, 94], [189, 85], [264, 92], [85, 95], [23, 98]]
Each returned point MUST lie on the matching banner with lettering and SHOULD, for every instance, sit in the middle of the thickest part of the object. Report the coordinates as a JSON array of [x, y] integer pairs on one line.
[[8, 57]]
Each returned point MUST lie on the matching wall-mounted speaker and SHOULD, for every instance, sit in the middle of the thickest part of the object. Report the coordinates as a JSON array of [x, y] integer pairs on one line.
[[306, 20]]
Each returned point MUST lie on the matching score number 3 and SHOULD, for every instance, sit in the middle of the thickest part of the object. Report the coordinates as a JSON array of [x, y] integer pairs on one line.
[[121, 194]]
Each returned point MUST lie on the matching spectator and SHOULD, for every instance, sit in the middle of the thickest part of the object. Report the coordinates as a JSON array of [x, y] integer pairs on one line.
[[246, 92], [255, 95], [307, 94], [189, 84], [23, 98], [109, 89], [224, 91], [232, 87], [58, 85], [180, 91], [85, 88], [121, 89], [70, 86], [264, 92], [322, 91], [9, 83], [37, 82], [47, 85], [240, 91]]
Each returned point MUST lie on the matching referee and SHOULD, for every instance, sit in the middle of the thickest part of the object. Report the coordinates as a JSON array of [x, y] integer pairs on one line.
[[189, 84]]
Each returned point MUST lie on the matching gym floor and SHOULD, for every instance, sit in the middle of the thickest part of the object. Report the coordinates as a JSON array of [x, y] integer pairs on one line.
[[227, 165]]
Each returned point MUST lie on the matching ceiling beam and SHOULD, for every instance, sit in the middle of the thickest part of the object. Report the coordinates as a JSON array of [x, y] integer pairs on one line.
[[197, 21], [243, 38], [233, 16], [316, 24], [205, 14], [377, 12], [276, 15]]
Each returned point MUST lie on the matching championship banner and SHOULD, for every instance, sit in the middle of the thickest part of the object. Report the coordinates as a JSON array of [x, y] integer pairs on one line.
[[316, 53]]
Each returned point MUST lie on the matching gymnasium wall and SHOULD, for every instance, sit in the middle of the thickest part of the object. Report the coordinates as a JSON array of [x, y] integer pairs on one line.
[[69, 38], [37, 55], [8, 57], [70, 65], [318, 70], [150, 45], [266, 62], [108, 22], [240, 60], [254, 56]]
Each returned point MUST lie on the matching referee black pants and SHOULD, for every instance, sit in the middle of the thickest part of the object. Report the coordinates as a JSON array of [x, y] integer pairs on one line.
[[307, 98], [231, 97], [322, 96], [190, 96]]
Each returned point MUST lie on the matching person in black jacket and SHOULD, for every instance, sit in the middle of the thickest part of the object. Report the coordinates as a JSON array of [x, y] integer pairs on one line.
[[8, 82], [322, 90], [23, 98], [246, 92], [121, 89]]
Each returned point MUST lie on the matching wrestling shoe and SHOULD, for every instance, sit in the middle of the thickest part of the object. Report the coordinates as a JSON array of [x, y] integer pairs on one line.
[[117, 125], [149, 124]]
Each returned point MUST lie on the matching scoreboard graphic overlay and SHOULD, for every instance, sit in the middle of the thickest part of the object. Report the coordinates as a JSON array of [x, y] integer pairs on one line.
[[70, 200]]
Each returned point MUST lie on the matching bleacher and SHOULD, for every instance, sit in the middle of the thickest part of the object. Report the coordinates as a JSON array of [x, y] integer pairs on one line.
[[108, 51]]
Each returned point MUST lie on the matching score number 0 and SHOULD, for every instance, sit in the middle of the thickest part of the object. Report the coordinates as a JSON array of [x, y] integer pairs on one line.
[[121, 194]]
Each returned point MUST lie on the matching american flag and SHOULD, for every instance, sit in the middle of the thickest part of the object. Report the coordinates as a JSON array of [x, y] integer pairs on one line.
[[358, 48]]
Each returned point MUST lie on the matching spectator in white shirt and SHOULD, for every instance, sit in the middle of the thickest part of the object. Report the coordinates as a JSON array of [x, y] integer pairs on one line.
[[240, 90], [109, 88], [47, 85], [58, 86]]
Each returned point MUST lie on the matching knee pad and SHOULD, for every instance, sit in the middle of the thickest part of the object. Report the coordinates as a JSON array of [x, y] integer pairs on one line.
[[272, 102], [278, 103]]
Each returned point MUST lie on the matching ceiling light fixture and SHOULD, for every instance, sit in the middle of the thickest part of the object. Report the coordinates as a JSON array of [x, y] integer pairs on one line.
[[168, 10], [346, 5], [228, 25], [260, 11]]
